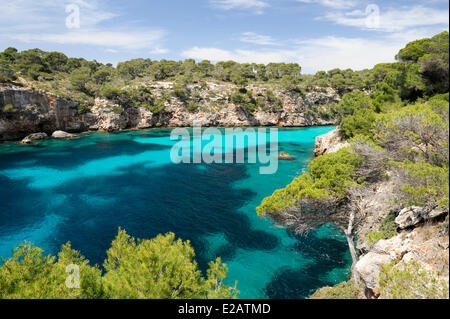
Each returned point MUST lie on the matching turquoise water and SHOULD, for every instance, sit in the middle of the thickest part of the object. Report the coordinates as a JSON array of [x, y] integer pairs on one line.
[[82, 190]]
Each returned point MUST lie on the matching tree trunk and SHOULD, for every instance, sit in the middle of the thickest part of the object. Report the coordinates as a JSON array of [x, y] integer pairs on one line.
[[351, 245]]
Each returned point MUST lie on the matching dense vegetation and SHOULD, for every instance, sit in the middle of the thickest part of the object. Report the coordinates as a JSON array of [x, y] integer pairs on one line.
[[398, 132], [82, 80], [159, 268]]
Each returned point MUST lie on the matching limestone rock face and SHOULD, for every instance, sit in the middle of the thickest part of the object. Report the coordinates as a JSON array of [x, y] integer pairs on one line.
[[33, 137], [427, 246], [329, 143], [35, 111], [411, 216], [369, 266], [62, 135], [39, 111], [436, 213]]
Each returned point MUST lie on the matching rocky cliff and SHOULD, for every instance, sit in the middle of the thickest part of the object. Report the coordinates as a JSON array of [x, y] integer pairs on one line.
[[329, 143], [24, 111], [417, 251]]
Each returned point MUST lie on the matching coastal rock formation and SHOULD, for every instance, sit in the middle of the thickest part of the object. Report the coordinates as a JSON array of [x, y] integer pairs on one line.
[[285, 156], [421, 238], [411, 216], [427, 246], [329, 143], [62, 134], [34, 137], [24, 111]]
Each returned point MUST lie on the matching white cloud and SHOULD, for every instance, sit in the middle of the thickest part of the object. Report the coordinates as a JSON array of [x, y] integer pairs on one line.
[[313, 55], [46, 13], [393, 19], [45, 22], [338, 52], [242, 56], [256, 5], [158, 50], [254, 38], [356, 53], [336, 4], [118, 39]]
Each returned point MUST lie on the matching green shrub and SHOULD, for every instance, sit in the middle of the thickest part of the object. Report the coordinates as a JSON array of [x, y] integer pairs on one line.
[[161, 268], [180, 92], [360, 123], [275, 101], [83, 108], [119, 96], [193, 106], [6, 73], [426, 184], [354, 101], [411, 282], [386, 230], [117, 109], [157, 107], [245, 101], [9, 108], [344, 290]]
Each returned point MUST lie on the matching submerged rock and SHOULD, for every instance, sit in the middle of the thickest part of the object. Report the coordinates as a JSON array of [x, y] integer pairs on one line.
[[33, 137], [285, 156], [62, 134]]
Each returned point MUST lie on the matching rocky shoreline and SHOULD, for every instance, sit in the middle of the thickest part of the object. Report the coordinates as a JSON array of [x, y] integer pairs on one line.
[[24, 111]]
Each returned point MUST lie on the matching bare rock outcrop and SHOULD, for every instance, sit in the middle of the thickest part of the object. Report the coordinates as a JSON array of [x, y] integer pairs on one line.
[[427, 246], [329, 143], [34, 137], [33, 111], [412, 216], [62, 135]]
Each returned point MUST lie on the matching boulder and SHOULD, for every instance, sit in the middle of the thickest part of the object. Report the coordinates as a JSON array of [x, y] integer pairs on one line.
[[285, 156], [62, 134], [436, 213], [369, 266], [34, 137], [409, 217], [414, 215]]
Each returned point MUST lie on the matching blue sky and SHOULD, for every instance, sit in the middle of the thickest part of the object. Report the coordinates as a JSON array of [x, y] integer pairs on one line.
[[317, 34]]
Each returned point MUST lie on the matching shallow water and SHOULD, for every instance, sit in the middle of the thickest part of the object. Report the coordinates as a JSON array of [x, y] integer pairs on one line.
[[82, 190]]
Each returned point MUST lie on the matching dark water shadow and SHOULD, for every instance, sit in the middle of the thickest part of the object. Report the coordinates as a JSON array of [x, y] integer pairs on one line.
[[190, 202], [326, 254]]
